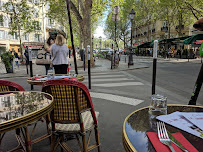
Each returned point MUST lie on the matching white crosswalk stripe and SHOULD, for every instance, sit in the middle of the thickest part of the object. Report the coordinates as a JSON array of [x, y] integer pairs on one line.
[[107, 76], [118, 84], [116, 98], [107, 80]]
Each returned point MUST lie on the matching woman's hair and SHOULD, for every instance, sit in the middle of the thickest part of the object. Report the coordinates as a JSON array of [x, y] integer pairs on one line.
[[60, 40], [49, 40]]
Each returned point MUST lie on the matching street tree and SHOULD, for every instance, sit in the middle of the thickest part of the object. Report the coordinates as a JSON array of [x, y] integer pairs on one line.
[[21, 18], [85, 12]]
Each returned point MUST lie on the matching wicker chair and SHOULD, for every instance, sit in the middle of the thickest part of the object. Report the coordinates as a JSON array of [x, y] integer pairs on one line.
[[6, 85], [73, 113]]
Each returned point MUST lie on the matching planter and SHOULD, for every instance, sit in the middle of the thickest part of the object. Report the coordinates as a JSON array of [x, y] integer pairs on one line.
[[9, 70]]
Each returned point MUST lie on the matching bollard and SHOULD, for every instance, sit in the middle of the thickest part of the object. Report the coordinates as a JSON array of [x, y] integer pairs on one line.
[[154, 66], [30, 62], [84, 59], [89, 73]]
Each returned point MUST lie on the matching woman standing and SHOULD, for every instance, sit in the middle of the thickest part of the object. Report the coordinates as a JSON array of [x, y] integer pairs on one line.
[[59, 53], [47, 48]]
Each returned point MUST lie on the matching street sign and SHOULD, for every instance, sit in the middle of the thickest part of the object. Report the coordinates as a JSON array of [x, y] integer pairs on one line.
[[117, 17]]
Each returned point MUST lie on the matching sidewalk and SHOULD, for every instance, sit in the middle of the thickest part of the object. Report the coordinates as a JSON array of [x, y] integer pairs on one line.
[[101, 65]]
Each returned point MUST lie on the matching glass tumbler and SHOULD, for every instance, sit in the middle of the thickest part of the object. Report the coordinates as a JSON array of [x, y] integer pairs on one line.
[[50, 74], [158, 105]]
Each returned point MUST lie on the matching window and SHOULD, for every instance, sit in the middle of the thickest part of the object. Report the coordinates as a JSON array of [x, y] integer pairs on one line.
[[47, 6], [14, 36], [2, 34], [38, 37], [36, 14], [1, 20], [39, 26], [1, 5], [6, 35], [26, 37], [5, 18], [50, 22]]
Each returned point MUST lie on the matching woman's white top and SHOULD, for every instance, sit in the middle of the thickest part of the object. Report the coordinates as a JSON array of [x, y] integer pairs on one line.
[[59, 54]]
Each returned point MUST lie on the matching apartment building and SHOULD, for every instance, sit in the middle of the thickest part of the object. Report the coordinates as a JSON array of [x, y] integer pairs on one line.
[[34, 39], [159, 30]]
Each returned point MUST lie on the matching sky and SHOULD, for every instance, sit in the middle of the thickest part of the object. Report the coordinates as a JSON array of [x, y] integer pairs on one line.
[[99, 32], [100, 28]]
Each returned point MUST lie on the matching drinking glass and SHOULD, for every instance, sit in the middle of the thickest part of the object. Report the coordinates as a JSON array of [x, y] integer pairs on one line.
[[50, 74], [158, 105]]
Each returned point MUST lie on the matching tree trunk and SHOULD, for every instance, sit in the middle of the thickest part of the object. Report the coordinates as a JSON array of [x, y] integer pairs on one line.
[[87, 31]]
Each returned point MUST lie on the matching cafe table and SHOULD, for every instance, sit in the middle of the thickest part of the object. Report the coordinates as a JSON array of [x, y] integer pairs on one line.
[[18, 109], [139, 122], [41, 79]]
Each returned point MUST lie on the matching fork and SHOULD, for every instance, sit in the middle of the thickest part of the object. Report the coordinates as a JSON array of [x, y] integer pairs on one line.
[[163, 135]]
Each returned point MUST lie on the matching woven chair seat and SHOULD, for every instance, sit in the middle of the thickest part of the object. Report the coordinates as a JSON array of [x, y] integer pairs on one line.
[[87, 120]]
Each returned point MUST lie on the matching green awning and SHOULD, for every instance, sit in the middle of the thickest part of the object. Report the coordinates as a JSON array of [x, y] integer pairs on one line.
[[152, 43], [170, 40], [145, 45], [193, 38]]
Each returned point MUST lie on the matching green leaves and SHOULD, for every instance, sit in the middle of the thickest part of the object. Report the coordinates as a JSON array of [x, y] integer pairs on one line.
[[21, 16], [7, 59]]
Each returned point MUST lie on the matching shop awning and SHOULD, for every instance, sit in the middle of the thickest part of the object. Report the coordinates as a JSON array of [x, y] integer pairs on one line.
[[170, 40], [198, 42], [33, 45], [145, 45], [193, 38]]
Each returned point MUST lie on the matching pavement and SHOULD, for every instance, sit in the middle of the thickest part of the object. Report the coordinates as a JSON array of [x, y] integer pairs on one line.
[[101, 65], [115, 94]]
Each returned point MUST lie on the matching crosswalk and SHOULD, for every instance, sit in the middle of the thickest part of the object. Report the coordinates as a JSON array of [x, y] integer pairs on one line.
[[109, 81]]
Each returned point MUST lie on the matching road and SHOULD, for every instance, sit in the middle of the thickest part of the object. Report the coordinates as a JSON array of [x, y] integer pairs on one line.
[[116, 94]]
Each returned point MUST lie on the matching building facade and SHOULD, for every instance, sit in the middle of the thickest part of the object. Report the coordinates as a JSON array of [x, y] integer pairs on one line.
[[36, 38], [159, 30]]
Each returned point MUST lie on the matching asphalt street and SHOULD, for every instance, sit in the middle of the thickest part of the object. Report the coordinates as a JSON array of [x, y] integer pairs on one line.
[[117, 93]]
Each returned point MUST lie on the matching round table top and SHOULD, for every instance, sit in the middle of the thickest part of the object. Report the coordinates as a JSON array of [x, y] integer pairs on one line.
[[138, 123], [19, 108], [37, 81]]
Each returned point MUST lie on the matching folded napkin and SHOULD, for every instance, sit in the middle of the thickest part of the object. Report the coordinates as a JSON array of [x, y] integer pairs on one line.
[[35, 78], [163, 148]]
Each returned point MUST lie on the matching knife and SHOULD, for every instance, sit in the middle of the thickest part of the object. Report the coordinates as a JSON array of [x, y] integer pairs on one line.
[[176, 142]]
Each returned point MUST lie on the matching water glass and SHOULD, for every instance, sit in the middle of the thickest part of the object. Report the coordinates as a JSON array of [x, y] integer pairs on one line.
[[50, 74], [158, 105]]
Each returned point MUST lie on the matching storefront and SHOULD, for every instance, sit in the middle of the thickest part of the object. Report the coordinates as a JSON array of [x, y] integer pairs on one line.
[[35, 46]]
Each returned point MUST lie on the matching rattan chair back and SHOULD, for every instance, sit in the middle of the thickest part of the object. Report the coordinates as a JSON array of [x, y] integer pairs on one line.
[[6, 85], [71, 98]]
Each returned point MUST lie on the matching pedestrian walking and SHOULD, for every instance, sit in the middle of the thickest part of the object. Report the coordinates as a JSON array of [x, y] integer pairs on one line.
[[26, 55], [59, 52], [16, 59]]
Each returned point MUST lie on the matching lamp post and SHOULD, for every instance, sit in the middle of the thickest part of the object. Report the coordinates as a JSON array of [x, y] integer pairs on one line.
[[132, 14]]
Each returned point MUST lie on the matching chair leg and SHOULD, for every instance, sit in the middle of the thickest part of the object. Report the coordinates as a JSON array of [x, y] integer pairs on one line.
[[48, 120], [84, 142], [97, 138], [62, 140], [53, 140]]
